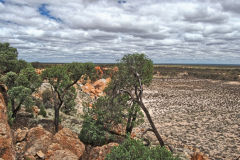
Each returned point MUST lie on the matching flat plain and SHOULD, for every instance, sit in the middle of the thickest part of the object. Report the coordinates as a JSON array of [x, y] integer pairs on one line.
[[196, 114]]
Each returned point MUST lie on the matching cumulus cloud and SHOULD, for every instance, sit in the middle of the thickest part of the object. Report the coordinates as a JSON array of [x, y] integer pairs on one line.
[[168, 31]]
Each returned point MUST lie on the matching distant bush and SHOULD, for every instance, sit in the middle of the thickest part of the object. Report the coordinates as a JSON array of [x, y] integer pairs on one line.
[[132, 149]]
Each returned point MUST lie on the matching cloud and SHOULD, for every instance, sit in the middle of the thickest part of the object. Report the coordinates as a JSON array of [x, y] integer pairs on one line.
[[168, 31]]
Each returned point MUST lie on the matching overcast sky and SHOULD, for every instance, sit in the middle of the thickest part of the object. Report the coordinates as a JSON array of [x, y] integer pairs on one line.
[[167, 31]]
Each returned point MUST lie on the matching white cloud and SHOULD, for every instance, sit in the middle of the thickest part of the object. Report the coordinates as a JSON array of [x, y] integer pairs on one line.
[[197, 31]]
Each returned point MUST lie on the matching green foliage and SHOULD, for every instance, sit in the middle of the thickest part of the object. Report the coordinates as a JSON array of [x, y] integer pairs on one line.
[[132, 149], [9, 114], [29, 78], [42, 111], [132, 65], [8, 58], [48, 98], [69, 101], [19, 94], [62, 78], [92, 132], [20, 88], [9, 79], [110, 110]]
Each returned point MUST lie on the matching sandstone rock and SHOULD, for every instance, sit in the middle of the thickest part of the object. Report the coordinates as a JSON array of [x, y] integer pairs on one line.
[[99, 153], [29, 157], [20, 134], [96, 89], [40, 154], [20, 147], [56, 151], [198, 156], [70, 141], [63, 155], [6, 148], [38, 139]]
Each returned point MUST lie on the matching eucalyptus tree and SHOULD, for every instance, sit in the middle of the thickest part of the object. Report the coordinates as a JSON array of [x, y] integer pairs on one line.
[[62, 79], [21, 87], [135, 72], [9, 59]]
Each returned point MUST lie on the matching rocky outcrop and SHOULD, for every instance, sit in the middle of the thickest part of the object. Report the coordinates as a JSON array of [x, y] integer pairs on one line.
[[99, 153], [69, 140], [37, 143], [56, 151], [20, 134], [96, 88], [38, 139], [6, 147], [198, 156]]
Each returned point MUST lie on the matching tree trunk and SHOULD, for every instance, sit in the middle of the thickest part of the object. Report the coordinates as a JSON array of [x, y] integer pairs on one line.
[[130, 124], [152, 124], [56, 118]]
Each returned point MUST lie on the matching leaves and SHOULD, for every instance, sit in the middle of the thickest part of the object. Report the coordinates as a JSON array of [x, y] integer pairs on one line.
[[132, 149]]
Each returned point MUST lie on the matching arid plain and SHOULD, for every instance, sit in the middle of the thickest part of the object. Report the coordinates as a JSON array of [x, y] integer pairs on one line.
[[196, 114]]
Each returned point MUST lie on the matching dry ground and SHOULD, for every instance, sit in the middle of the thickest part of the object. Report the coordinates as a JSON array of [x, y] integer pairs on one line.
[[196, 113]]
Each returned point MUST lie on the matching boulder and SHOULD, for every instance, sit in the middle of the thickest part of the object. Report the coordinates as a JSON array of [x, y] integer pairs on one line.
[[69, 141], [99, 153], [38, 139], [198, 156], [63, 155], [56, 151], [20, 134], [6, 147]]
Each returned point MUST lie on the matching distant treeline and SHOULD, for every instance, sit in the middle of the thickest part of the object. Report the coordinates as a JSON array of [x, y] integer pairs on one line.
[[215, 72], [42, 65], [200, 71]]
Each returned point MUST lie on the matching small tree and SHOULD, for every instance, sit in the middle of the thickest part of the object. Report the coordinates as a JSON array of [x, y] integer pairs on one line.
[[8, 59], [136, 70], [62, 78], [20, 88]]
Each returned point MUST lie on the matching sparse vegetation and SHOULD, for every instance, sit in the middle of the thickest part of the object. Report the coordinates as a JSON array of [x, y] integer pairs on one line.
[[19, 77], [62, 78], [217, 72], [124, 98], [132, 149]]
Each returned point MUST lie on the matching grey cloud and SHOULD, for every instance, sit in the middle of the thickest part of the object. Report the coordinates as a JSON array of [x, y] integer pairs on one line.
[[231, 5], [205, 14]]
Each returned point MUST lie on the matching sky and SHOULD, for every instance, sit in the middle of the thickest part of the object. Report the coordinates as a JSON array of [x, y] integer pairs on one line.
[[102, 31]]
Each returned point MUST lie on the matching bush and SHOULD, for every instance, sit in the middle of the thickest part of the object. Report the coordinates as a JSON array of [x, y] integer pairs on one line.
[[43, 111], [132, 149], [92, 132], [47, 96], [9, 114]]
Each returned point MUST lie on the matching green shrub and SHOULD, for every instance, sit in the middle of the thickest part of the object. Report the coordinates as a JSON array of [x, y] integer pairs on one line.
[[132, 149], [42, 111], [9, 114], [92, 132], [47, 96]]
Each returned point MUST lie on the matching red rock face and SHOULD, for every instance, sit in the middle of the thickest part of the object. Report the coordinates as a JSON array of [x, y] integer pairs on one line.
[[69, 140], [6, 147], [38, 143], [96, 88]]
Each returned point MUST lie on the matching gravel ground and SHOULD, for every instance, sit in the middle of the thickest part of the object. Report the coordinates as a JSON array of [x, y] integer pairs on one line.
[[197, 114]]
